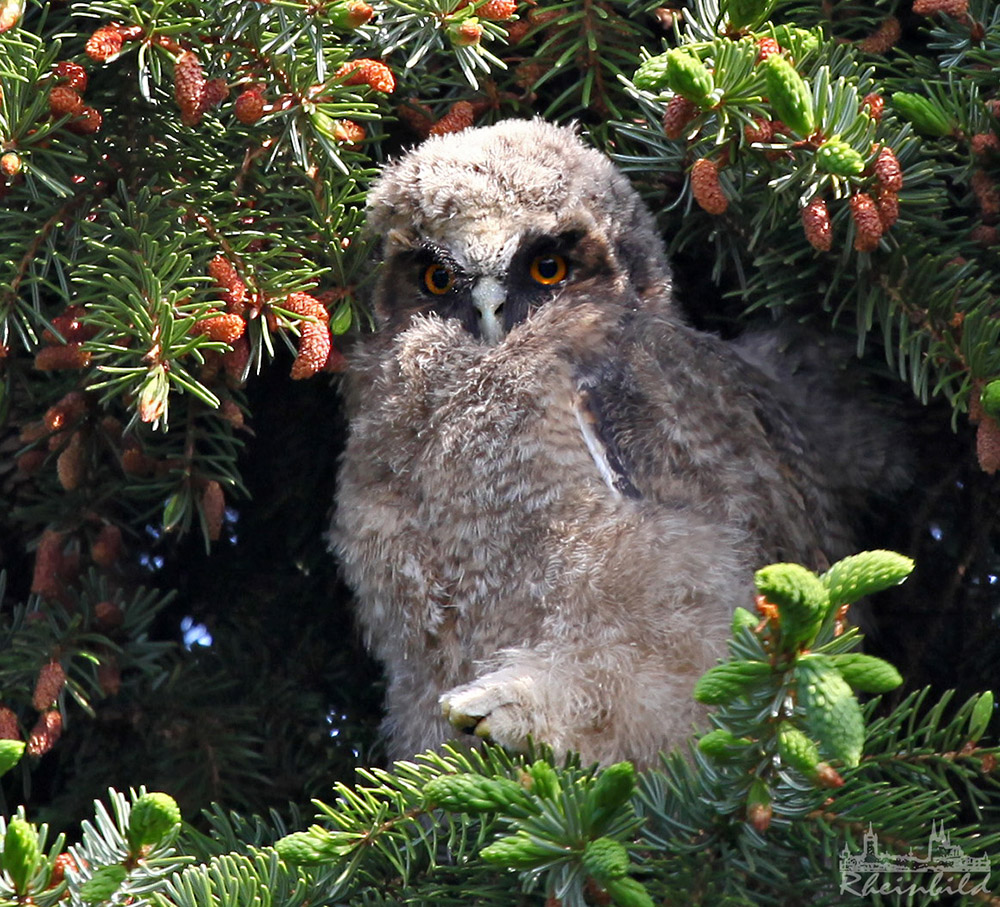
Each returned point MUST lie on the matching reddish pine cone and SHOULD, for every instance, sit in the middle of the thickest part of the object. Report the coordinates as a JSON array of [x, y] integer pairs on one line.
[[315, 340], [984, 234], [348, 132], [63, 863], [762, 131], [48, 564], [235, 361], [9, 729], [65, 101], [957, 9], [706, 188], [887, 170], [466, 34], [986, 192], [107, 547], [875, 104], [234, 291], [816, 224], [883, 38], [70, 409], [71, 465], [50, 683], [249, 107], [228, 327], [767, 47], [887, 203], [189, 87], [497, 10], [216, 91], [678, 114], [460, 115], [868, 225], [87, 122], [108, 615], [988, 444], [72, 74], [10, 164], [105, 44], [373, 73], [109, 676], [67, 356], [985, 143], [45, 733], [213, 505]]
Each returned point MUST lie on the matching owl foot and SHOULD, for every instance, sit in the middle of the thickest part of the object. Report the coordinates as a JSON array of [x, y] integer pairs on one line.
[[498, 709]]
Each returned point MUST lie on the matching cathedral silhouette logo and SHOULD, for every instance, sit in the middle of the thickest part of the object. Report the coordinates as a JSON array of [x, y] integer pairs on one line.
[[944, 869]]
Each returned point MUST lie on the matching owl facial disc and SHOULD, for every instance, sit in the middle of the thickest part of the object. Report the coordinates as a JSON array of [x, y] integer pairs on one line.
[[488, 296]]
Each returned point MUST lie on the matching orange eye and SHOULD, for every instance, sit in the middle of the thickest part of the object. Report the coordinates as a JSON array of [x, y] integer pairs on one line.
[[549, 269], [438, 279]]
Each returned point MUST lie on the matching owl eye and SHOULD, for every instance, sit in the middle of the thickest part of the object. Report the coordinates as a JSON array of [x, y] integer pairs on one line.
[[438, 279], [548, 269]]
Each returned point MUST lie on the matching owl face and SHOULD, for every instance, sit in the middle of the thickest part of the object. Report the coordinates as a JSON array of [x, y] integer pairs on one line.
[[488, 225]]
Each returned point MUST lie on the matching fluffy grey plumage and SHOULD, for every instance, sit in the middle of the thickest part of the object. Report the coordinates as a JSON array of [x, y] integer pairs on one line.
[[554, 491]]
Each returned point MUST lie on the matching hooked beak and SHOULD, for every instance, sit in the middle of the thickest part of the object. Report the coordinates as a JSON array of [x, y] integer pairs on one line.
[[488, 296]]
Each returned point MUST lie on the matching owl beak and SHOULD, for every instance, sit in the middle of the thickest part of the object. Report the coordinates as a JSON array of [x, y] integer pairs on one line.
[[488, 296]]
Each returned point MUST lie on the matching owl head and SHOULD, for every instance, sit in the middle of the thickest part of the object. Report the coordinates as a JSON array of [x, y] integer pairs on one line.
[[488, 225]]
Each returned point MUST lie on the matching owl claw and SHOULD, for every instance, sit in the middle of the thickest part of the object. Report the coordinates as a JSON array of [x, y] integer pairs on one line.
[[498, 710]]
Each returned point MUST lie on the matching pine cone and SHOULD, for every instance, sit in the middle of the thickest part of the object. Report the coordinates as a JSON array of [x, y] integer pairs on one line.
[[988, 444], [956, 9], [706, 188], [213, 505], [71, 466], [887, 170], [466, 34], [373, 73], [67, 356], [986, 192], [105, 44], [235, 361], [497, 10], [883, 38], [108, 615], [189, 87], [48, 564], [9, 728], [875, 104], [887, 203], [65, 101], [10, 164], [72, 74], [50, 683], [678, 114], [45, 733], [227, 327], [87, 122], [249, 107], [868, 224], [234, 291], [216, 91], [816, 225], [459, 116], [315, 339], [107, 547], [762, 131], [766, 47], [349, 132], [109, 676]]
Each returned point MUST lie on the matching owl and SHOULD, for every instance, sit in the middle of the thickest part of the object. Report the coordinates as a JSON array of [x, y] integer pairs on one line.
[[554, 490]]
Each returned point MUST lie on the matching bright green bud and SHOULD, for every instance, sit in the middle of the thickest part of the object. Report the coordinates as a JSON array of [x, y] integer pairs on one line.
[[982, 713], [605, 859], [722, 745], [10, 754], [688, 76], [301, 847], [863, 574], [926, 115], [801, 598], [103, 884], [747, 14], [797, 750], [628, 892], [21, 853], [154, 817], [519, 851], [729, 680], [833, 715], [471, 793], [867, 673], [743, 620], [836, 156], [989, 398], [611, 791], [544, 780], [652, 73], [789, 95]]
